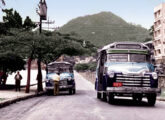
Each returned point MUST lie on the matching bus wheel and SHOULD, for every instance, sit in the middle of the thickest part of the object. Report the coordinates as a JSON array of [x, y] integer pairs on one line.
[[104, 96], [98, 95], [151, 99], [110, 98]]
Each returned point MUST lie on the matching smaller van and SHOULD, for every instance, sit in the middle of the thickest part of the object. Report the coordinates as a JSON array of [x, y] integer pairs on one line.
[[67, 81]]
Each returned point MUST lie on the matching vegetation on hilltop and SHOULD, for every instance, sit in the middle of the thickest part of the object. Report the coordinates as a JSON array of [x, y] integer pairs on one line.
[[104, 28]]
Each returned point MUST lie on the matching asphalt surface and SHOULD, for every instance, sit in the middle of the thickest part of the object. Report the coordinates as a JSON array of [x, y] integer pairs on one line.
[[82, 106]]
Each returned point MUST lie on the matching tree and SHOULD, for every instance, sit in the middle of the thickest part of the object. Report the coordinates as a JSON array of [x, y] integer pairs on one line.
[[3, 30], [12, 20], [28, 24], [18, 20], [10, 62], [151, 30], [44, 47]]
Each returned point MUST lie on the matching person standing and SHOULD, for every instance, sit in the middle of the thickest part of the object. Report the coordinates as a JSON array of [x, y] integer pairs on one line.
[[18, 79], [1, 74], [56, 83]]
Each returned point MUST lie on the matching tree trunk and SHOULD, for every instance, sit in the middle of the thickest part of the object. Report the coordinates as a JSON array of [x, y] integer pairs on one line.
[[28, 76], [39, 76]]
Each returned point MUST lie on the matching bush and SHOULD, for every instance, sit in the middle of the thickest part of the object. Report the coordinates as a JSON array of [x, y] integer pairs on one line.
[[85, 66]]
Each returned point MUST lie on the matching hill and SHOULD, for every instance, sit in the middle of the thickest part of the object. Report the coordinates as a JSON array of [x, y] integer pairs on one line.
[[104, 28]]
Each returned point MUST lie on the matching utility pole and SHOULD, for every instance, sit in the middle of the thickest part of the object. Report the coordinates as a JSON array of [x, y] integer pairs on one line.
[[43, 16], [42, 12], [40, 25], [46, 22]]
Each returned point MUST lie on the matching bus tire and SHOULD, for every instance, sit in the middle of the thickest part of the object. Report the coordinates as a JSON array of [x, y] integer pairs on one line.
[[151, 99], [110, 98], [98, 95], [104, 96]]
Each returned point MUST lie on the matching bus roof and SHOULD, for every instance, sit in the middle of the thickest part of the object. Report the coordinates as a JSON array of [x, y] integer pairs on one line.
[[125, 45]]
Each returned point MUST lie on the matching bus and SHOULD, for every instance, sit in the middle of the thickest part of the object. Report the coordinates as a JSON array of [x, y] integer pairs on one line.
[[126, 69]]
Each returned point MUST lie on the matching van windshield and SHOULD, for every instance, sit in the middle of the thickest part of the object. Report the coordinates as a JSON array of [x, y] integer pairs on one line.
[[60, 70], [126, 58]]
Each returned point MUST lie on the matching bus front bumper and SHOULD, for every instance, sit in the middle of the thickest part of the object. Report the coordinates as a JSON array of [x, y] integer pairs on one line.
[[132, 90]]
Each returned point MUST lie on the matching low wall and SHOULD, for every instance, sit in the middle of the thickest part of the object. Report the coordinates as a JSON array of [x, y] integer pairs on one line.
[[161, 81], [91, 76]]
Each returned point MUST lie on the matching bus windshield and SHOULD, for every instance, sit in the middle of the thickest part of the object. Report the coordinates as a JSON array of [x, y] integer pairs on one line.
[[126, 58]]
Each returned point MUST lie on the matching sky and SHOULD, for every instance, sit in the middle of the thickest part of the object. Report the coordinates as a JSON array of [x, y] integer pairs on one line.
[[61, 11]]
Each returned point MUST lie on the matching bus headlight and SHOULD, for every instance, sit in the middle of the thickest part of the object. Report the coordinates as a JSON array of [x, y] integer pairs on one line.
[[154, 75], [111, 74]]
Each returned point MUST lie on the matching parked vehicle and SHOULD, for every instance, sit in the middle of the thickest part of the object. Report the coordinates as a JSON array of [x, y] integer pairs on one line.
[[125, 69], [66, 83]]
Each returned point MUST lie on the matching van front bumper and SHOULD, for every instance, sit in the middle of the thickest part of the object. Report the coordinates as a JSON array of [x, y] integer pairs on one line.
[[60, 87]]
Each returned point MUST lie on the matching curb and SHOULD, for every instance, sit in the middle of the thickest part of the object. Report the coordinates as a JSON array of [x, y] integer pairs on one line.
[[161, 99], [14, 100]]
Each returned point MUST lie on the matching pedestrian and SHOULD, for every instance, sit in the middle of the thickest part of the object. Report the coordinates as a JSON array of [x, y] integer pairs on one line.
[[4, 78], [1, 74], [18, 79], [56, 79]]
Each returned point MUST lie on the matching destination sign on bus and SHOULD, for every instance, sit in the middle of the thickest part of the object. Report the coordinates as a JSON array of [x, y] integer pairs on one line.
[[128, 46]]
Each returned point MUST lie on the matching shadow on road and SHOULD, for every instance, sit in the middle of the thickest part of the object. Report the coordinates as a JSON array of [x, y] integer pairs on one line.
[[129, 102], [78, 93]]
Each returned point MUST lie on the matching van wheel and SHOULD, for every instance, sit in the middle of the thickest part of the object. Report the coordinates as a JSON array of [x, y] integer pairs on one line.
[[49, 92], [98, 95], [151, 99], [110, 98]]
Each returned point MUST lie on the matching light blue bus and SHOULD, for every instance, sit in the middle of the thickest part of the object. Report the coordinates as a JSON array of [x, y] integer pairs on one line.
[[125, 69]]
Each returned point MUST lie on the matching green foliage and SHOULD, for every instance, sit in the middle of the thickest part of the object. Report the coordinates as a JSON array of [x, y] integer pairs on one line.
[[148, 39], [12, 19], [18, 20], [104, 28], [85, 66], [10, 62], [28, 24], [151, 30], [47, 46], [3, 30]]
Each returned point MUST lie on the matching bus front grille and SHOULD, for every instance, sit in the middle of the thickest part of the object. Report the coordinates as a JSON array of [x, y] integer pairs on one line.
[[134, 80]]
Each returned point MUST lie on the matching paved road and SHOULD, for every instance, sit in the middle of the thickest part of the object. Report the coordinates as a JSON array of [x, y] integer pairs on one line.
[[82, 106]]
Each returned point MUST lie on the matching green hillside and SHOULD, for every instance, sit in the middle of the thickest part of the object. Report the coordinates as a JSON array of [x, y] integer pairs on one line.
[[104, 28]]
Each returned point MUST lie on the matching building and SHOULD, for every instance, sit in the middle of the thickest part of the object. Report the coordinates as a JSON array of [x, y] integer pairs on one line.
[[159, 32]]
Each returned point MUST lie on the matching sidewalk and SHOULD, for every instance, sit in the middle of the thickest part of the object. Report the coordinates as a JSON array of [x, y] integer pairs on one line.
[[162, 95], [11, 96]]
